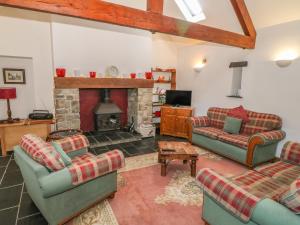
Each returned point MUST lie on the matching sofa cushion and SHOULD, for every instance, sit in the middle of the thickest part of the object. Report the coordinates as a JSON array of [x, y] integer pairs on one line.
[[260, 122], [42, 152], [235, 139], [217, 116], [89, 166], [291, 152], [260, 185], [291, 198], [232, 125], [73, 143], [281, 171], [209, 132], [66, 159], [240, 113]]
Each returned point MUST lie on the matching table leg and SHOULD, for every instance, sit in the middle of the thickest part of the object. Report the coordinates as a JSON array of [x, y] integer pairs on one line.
[[163, 167], [193, 167]]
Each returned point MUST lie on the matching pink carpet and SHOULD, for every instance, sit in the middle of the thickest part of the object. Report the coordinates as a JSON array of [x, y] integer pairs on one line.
[[144, 197]]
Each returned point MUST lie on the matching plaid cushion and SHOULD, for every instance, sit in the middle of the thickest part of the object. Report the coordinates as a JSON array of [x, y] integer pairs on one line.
[[235, 139], [217, 116], [73, 143], [89, 166], [260, 185], [42, 152], [281, 171], [231, 196], [291, 152], [201, 121], [291, 198], [260, 122], [209, 132]]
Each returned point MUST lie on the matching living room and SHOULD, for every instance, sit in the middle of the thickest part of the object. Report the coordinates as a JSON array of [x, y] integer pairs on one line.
[[150, 112]]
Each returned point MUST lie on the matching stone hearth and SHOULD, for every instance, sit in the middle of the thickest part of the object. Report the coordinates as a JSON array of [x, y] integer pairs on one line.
[[67, 107]]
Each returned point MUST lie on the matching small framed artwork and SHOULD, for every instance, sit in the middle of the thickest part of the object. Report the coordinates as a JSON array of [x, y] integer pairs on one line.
[[14, 76]]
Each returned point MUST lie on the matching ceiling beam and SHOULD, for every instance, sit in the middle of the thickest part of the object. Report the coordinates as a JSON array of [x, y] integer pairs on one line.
[[156, 6], [243, 15], [102, 11]]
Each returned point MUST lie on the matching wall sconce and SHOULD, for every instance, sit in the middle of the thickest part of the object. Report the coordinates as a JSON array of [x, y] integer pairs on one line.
[[285, 59], [198, 67]]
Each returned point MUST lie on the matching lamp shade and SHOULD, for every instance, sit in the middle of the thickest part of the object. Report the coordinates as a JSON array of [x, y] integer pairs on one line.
[[8, 93]]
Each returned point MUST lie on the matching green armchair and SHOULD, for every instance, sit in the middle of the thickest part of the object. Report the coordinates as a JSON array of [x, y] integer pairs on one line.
[[54, 193]]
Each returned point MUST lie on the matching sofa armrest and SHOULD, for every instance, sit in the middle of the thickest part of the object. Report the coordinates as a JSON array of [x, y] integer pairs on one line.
[[291, 152], [269, 137], [56, 183], [269, 212], [233, 198]]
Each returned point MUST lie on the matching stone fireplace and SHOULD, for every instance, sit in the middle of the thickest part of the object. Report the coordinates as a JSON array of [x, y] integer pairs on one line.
[[67, 109]]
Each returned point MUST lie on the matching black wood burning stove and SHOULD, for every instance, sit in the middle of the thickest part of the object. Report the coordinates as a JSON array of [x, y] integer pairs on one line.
[[107, 114]]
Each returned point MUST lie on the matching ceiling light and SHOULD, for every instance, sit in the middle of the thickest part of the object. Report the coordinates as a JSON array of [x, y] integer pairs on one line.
[[191, 9]]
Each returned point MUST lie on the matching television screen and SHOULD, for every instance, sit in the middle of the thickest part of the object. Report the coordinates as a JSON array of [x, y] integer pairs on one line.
[[183, 98]]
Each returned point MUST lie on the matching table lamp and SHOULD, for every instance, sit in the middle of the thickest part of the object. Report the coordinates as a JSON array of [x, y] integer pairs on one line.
[[8, 93]]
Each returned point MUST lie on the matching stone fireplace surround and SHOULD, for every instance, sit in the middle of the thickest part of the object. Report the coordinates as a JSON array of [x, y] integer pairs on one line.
[[67, 107]]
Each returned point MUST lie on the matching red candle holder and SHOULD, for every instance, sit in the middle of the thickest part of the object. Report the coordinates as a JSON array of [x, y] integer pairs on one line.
[[61, 72], [93, 74], [148, 75], [133, 75]]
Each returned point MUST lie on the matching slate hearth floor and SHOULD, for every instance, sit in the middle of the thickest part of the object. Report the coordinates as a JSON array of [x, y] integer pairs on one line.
[[17, 208]]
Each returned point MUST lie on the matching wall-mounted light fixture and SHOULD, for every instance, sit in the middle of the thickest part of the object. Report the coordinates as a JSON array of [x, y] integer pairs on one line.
[[286, 58], [199, 66]]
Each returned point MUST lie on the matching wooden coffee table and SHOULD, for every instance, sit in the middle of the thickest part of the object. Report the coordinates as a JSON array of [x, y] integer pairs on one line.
[[172, 150]]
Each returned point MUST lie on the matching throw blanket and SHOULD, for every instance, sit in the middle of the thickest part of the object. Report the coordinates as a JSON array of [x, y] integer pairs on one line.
[[235, 199], [88, 166]]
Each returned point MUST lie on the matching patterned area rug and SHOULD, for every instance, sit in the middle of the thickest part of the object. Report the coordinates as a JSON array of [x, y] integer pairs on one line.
[[144, 197]]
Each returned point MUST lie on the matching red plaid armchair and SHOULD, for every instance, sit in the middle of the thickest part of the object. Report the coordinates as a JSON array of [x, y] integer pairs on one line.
[[256, 142]]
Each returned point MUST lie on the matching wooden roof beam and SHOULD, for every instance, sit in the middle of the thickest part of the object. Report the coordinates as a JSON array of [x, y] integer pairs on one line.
[[243, 15], [155, 6], [125, 16]]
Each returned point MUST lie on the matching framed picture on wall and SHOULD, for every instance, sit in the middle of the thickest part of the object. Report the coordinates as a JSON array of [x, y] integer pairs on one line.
[[14, 76]]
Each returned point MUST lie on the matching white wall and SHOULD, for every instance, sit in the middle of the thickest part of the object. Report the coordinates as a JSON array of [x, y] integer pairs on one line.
[[265, 87], [92, 46], [25, 34], [24, 91]]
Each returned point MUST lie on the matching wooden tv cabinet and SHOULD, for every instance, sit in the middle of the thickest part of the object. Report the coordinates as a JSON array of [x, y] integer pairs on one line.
[[174, 121]]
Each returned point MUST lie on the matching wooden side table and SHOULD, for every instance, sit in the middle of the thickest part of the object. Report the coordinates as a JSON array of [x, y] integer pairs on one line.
[[171, 150], [11, 133]]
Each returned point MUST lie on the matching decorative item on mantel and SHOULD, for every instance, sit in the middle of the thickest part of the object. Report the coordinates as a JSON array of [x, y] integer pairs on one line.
[[60, 72], [8, 93], [112, 71]]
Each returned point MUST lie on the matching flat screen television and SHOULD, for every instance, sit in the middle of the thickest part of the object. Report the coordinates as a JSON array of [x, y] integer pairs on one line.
[[176, 97]]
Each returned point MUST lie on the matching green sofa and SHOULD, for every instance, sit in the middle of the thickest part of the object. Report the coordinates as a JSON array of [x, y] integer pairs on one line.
[[55, 195], [255, 144], [271, 182]]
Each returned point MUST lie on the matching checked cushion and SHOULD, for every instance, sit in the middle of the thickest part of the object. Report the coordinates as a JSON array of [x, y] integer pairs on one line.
[[260, 185], [261, 122], [88, 166], [209, 132], [291, 152], [42, 152], [73, 143], [281, 171], [235, 139], [234, 198], [201, 121], [217, 116]]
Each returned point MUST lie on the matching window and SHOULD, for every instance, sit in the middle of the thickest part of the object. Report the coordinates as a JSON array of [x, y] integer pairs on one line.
[[191, 9]]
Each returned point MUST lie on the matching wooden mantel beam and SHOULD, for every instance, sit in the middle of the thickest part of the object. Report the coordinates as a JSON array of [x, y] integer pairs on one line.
[[102, 11], [243, 15], [156, 6]]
